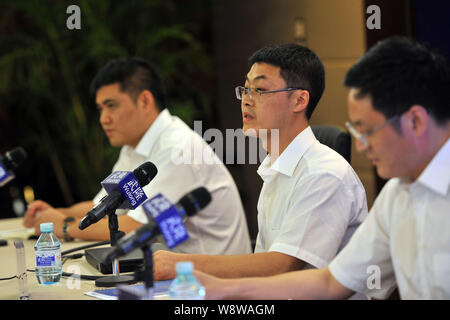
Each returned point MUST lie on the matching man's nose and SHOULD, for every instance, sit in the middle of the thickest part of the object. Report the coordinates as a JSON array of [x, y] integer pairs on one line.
[[247, 100], [105, 117]]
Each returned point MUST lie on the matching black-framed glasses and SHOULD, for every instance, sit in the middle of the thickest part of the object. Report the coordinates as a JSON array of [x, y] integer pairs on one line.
[[252, 92]]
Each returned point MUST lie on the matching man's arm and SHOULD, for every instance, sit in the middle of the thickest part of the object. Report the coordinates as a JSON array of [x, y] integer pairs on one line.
[[78, 210], [305, 284], [96, 232], [99, 231], [226, 266]]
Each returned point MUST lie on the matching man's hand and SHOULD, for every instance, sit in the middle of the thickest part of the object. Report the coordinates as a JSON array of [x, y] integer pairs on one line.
[[33, 208], [164, 264], [50, 215], [214, 287]]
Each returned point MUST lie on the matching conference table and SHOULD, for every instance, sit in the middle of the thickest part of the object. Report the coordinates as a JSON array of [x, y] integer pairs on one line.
[[69, 288]]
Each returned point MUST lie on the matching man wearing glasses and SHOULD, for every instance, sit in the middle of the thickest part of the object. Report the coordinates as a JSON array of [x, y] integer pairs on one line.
[[399, 115], [311, 201]]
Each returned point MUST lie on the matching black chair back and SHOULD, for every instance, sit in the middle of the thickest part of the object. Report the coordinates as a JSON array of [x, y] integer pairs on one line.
[[335, 138]]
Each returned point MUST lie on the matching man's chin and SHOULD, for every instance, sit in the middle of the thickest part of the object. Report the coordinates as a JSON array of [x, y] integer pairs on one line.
[[383, 173], [250, 132], [115, 143]]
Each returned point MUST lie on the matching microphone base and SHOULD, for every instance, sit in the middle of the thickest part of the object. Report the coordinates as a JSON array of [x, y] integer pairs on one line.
[[115, 280]]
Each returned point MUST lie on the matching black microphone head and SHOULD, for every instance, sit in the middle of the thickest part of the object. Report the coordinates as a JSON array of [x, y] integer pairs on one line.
[[145, 173], [84, 223], [195, 200], [16, 157]]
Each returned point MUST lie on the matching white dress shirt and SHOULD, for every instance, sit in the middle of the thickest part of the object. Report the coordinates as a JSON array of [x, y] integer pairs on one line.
[[220, 228], [311, 202], [405, 240]]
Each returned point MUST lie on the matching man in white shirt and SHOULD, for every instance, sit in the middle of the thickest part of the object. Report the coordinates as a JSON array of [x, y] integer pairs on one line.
[[311, 201], [398, 109], [131, 100]]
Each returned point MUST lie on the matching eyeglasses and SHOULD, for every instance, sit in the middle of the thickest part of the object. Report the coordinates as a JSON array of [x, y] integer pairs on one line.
[[363, 136], [240, 91]]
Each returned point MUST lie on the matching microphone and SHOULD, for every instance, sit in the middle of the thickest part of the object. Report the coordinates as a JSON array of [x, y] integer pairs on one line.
[[124, 190], [163, 218], [8, 164]]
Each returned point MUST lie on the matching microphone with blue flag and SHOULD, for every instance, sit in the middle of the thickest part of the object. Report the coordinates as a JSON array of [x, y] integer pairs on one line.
[[9, 163], [124, 190], [164, 218]]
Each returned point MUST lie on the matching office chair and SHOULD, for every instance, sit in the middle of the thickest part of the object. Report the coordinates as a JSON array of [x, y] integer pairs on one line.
[[335, 138]]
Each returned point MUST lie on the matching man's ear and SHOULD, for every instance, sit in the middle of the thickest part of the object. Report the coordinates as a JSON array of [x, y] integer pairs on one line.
[[301, 100], [418, 120], [146, 101]]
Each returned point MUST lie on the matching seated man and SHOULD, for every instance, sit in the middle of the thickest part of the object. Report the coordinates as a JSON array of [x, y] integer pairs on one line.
[[131, 100], [311, 201], [398, 107]]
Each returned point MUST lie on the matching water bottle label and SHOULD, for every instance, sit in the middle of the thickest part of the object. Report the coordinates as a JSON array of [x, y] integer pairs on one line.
[[48, 258]]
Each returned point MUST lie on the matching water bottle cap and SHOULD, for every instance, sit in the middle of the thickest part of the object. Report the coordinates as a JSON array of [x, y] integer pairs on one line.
[[184, 267], [46, 227]]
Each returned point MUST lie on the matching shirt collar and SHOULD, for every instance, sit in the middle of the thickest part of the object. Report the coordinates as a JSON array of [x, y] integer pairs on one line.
[[436, 175], [290, 157], [151, 136]]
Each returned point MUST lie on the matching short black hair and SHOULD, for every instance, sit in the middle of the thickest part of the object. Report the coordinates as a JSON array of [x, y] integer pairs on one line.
[[299, 67], [133, 75], [398, 73]]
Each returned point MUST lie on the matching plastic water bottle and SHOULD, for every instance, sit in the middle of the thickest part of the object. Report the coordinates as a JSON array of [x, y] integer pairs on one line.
[[48, 256], [185, 286]]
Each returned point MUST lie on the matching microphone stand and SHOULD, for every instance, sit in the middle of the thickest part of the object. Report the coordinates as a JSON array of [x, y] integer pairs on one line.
[[147, 274], [114, 234]]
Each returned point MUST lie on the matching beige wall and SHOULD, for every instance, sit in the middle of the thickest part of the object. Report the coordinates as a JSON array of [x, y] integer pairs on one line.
[[336, 34], [335, 31]]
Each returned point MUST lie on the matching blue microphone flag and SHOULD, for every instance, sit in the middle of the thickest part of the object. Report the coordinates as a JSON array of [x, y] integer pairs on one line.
[[169, 220], [129, 187], [5, 175]]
